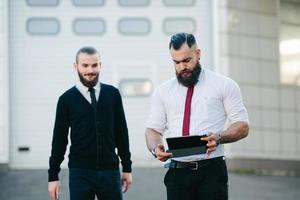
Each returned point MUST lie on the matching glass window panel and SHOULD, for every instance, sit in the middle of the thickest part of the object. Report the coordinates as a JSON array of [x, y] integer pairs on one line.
[[43, 26], [134, 26], [42, 2], [89, 26], [290, 12], [179, 2], [88, 2], [175, 25], [134, 2], [290, 54], [135, 87], [290, 43]]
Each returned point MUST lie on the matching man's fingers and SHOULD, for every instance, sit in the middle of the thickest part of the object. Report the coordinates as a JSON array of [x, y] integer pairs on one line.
[[125, 186], [163, 156], [54, 189], [209, 150], [160, 148], [207, 138], [57, 192], [52, 195], [211, 143], [126, 181]]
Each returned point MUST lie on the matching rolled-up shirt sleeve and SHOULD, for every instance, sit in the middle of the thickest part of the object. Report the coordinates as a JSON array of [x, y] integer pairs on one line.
[[233, 103], [157, 118]]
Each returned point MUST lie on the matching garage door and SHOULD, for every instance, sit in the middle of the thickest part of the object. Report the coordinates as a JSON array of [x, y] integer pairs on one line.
[[132, 37]]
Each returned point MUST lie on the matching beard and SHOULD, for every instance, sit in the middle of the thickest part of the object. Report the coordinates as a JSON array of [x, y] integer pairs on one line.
[[192, 79], [88, 83]]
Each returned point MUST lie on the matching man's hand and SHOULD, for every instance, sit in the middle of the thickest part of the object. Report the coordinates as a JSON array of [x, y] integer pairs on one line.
[[54, 189], [211, 139], [161, 154], [154, 139], [126, 181]]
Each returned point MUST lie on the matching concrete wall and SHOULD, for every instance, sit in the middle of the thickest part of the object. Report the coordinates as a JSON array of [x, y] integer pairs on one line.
[[3, 84], [249, 52]]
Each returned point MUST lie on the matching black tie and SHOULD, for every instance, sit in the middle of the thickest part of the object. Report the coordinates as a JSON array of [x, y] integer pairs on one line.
[[93, 98]]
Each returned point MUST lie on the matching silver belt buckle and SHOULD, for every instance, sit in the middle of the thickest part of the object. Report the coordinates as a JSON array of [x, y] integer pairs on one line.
[[196, 166]]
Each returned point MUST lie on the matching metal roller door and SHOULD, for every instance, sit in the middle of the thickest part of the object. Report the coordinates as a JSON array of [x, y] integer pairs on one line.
[[132, 37]]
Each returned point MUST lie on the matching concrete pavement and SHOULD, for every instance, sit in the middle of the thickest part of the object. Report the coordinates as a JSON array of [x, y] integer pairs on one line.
[[148, 185]]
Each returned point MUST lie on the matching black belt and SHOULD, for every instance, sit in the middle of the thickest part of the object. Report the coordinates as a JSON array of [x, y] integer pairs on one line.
[[193, 165]]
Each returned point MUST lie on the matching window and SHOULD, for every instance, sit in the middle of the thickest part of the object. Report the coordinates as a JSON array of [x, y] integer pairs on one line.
[[134, 26], [42, 26], [175, 24], [134, 2], [135, 87], [88, 2], [89, 26], [179, 2], [42, 2], [290, 42]]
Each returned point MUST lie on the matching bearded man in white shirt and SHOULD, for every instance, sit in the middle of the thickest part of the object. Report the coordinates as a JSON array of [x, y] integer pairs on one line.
[[195, 102]]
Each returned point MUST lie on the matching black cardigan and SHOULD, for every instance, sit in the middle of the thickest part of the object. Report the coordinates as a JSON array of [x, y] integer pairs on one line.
[[94, 138]]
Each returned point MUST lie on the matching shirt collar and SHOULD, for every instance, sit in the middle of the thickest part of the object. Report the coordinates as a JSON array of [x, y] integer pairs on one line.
[[201, 76], [85, 89]]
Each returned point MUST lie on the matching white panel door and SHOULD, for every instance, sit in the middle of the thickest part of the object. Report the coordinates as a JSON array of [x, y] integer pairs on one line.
[[133, 43]]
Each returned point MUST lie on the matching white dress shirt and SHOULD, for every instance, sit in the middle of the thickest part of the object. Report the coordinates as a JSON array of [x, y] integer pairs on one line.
[[216, 98], [85, 91]]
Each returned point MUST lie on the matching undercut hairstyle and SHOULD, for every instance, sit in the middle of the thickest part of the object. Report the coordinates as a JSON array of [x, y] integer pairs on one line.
[[87, 50], [179, 39]]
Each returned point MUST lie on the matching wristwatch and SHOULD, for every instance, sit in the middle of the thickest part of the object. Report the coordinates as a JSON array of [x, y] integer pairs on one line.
[[153, 152], [218, 140]]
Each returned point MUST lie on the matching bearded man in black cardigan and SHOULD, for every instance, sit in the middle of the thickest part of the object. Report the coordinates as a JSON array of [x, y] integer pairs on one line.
[[93, 112]]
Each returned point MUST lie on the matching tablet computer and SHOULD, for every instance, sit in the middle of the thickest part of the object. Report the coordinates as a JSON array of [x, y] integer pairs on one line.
[[186, 145]]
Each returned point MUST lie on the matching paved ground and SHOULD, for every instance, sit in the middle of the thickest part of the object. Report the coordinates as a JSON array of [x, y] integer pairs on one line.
[[148, 185]]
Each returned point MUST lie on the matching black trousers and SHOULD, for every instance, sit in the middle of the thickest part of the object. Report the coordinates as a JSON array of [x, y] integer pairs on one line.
[[209, 182], [85, 184]]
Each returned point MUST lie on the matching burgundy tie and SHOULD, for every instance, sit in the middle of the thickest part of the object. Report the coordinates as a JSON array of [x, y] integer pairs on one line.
[[187, 112]]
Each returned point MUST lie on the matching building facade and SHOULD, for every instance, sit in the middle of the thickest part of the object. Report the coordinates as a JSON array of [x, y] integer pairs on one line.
[[238, 38]]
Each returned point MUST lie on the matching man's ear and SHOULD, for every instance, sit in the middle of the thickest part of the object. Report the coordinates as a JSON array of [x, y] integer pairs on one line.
[[198, 52], [75, 65]]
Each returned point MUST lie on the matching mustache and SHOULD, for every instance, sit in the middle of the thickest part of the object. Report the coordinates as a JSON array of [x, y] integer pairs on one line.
[[185, 71], [90, 74]]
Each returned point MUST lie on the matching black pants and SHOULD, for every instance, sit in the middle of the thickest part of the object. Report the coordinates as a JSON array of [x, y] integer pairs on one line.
[[210, 182], [85, 184]]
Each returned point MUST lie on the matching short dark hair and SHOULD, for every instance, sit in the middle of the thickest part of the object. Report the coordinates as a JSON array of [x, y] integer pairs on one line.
[[178, 39], [87, 50]]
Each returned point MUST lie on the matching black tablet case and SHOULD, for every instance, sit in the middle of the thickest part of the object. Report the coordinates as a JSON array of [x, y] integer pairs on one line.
[[186, 145]]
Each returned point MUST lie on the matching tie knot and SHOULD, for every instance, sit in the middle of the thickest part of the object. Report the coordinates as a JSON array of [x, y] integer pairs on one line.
[[92, 90], [191, 87], [190, 90]]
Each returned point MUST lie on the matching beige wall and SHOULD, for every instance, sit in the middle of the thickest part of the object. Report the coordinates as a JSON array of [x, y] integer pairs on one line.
[[249, 41]]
